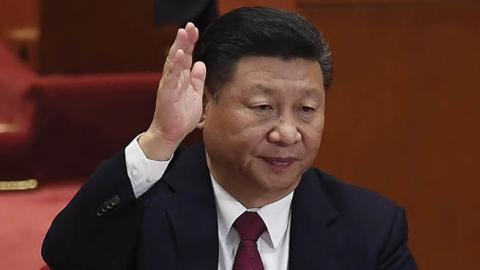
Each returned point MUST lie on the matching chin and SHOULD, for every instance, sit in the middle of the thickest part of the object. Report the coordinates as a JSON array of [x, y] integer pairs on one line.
[[274, 183]]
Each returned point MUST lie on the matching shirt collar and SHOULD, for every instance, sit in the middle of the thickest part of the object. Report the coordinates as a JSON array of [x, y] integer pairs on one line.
[[276, 215]]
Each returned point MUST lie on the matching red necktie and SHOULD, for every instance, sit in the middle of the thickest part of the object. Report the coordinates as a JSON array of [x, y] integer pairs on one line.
[[250, 227]]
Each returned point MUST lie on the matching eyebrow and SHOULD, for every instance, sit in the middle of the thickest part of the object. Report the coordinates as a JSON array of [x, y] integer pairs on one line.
[[259, 88]]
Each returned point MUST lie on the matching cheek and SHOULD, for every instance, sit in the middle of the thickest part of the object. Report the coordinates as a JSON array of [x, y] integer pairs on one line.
[[312, 136], [246, 131], [240, 134], [253, 133]]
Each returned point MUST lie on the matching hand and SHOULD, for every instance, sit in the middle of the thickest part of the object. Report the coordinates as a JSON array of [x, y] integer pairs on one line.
[[179, 98]]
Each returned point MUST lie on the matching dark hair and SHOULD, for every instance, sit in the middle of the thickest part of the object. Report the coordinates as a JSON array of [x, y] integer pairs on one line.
[[258, 31]]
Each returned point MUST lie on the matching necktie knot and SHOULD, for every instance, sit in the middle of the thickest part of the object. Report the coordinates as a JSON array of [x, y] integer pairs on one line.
[[249, 226]]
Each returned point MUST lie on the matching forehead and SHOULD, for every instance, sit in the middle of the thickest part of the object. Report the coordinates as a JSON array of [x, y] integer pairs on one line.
[[269, 74]]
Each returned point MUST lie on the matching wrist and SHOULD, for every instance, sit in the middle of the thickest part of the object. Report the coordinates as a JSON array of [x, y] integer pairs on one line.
[[157, 147]]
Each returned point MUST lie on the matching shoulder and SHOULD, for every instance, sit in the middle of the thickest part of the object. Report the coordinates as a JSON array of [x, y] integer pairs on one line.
[[371, 225], [352, 198], [360, 210]]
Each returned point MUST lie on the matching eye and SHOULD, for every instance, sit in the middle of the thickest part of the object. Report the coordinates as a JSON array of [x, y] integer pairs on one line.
[[307, 109], [262, 107]]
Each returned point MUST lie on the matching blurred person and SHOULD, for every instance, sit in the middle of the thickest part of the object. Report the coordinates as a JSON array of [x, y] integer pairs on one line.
[[199, 12], [254, 82]]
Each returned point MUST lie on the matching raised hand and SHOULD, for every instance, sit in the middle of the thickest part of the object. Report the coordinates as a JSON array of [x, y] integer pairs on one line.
[[179, 98]]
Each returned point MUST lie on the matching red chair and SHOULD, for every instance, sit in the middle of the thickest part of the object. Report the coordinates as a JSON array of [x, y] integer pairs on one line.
[[16, 80], [45, 118]]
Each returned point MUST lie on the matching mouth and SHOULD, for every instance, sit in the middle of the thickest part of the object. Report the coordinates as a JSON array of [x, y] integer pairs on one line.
[[279, 163]]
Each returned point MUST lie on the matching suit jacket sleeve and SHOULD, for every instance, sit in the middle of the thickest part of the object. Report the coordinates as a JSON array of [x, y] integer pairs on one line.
[[97, 229], [395, 254]]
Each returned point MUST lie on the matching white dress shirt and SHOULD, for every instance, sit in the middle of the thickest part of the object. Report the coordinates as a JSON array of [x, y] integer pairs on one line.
[[273, 244]]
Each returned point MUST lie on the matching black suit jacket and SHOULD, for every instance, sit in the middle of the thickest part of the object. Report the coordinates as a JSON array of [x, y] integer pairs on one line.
[[174, 225]]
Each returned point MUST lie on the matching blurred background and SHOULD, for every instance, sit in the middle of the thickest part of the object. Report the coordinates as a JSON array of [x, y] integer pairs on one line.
[[78, 82]]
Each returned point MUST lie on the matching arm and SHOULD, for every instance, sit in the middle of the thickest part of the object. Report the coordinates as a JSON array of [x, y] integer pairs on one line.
[[82, 234], [143, 172], [396, 255], [97, 229]]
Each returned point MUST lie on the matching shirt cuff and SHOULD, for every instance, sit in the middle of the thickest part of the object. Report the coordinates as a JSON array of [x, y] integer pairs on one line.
[[143, 172]]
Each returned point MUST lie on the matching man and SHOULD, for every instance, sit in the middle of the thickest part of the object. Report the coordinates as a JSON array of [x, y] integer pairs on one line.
[[247, 198]]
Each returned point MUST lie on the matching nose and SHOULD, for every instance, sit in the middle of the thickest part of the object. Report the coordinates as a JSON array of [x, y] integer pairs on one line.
[[284, 133]]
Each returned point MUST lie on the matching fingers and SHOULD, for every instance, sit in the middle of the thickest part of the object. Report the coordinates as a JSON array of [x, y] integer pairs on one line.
[[171, 74], [192, 32], [197, 76], [185, 40], [180, 42], [177, 67]]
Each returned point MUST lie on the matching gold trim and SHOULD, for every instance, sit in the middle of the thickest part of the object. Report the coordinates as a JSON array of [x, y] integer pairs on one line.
[[8, 128], [18, 185], [24, 34]]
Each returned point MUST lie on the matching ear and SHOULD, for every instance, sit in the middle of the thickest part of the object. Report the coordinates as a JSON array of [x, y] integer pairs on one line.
[[207, 100]]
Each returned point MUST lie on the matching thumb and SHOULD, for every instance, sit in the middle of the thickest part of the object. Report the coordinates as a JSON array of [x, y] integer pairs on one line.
[[197, 76]]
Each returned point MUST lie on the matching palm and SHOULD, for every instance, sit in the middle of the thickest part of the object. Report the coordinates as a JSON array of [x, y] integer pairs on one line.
[[179, 98]]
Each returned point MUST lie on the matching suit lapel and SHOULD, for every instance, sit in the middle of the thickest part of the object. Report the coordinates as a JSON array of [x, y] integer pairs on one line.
[[192, 211], [314, 239], [315, 242]]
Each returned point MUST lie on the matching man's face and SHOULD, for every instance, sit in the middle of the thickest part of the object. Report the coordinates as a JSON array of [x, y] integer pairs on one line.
[[265, 128]]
